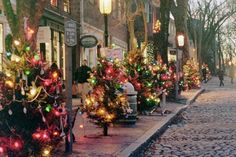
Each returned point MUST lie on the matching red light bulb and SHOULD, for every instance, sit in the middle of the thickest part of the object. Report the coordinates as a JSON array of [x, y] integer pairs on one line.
[[1, 150]]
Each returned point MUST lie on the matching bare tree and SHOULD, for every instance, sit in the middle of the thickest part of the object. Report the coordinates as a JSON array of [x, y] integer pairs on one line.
[[205, 22]]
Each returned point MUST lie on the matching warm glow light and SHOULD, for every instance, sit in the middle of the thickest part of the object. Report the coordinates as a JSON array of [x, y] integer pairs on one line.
[[15, 58], [16, 144], [46, 152], [180, 40], [1, 150], [10, 83], [55, 75], [55, 133], [81, 126], [16, 42], [105, 6], [33, 91]]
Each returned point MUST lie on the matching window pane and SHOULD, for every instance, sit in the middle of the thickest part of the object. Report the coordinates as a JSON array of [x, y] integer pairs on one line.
[[67, 6]]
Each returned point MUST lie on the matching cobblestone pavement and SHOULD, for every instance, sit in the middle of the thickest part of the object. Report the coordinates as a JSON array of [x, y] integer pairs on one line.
[[206, 129]]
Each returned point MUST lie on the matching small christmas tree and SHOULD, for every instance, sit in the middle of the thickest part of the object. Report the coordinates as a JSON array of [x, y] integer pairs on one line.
[[191, 75], [149, 79], [106, 103]]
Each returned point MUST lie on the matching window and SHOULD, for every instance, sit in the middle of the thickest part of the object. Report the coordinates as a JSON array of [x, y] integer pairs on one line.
[[53, 3], [148, 10], [66, 6]]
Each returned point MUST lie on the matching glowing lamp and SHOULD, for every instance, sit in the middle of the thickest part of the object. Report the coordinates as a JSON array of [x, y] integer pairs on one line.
[[180, 40], [81, 126], [105, 6]]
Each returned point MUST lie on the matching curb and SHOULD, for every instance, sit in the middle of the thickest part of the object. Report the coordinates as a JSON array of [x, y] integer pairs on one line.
[[136, 148]]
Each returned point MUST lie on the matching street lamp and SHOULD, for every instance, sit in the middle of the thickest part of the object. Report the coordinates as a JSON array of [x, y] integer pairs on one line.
[[105, 7], [180, 44]]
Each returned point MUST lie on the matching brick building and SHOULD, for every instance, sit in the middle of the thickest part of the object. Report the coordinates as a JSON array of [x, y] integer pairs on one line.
[[50, 37], [92, 23]]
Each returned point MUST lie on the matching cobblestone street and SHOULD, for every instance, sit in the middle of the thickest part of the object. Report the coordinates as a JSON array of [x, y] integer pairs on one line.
[[206, 128]]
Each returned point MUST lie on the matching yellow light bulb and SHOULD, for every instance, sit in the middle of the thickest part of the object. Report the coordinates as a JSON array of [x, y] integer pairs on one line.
[[17, 42], [33, 91], [46, 152], [101, 111]]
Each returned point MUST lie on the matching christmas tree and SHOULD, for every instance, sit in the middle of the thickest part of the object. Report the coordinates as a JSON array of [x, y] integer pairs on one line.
[[32, 115], [191, 75], [107, 103], [149, 79]]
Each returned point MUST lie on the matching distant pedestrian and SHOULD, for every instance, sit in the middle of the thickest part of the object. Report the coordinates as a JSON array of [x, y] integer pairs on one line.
[[204, 73], [83, 74], [231, 73], [221, 77], [74, 90]]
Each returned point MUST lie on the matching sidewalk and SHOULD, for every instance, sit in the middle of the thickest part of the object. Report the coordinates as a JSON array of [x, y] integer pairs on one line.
[[123, 140]]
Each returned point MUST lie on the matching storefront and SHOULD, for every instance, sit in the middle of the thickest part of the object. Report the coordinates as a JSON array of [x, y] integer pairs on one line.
[[51, 45], [50, 41]]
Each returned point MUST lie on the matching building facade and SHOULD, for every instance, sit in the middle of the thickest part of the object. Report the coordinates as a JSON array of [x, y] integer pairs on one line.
[[50, 38], [92, 23]]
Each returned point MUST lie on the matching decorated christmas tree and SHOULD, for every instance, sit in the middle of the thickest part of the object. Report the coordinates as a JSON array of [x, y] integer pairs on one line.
[[149, 79], [191, 75], [33, 117], [107, 103], [32, 112]]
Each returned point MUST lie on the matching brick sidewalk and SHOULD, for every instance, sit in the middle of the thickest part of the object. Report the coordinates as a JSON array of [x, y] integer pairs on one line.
[[122, 138]]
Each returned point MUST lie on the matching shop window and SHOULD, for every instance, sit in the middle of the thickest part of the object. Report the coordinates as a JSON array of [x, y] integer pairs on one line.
[[56, 48], [66, 5], [54, 3]]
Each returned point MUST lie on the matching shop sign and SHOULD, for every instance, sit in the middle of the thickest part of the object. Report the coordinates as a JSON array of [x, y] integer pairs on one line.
[[70, 33], [88, 41]]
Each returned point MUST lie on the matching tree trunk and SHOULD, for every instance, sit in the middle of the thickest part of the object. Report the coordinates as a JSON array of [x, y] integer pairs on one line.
[[161, 38], [105, 129]]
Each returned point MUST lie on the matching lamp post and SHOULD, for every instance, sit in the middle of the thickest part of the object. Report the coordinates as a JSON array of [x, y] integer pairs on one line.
[[180, 44], [105, 7]]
